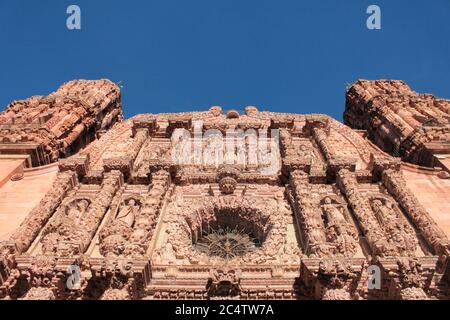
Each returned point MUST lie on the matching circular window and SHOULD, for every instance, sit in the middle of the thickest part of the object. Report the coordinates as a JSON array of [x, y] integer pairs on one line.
[[228, 229], [227, 243], [228, 233]]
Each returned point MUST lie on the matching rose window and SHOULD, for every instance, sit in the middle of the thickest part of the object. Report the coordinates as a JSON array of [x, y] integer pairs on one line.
[[227, 243]]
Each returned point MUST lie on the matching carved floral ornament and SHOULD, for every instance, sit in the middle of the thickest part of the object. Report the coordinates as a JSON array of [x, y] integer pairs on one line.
[[227, 177]]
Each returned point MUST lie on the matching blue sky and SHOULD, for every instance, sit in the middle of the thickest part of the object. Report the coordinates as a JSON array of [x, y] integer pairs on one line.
[[287, 56]]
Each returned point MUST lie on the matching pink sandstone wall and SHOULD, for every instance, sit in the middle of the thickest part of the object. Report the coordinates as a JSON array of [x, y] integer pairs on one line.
[[433, 193], [17, 198], [7, 168]]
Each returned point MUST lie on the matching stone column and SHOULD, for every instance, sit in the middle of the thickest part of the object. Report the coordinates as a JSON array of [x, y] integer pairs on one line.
[[320, 136], [372, 231], [147, 219], [310, 221], [38, 217], [396, 185], [139, 139], [90, 222]]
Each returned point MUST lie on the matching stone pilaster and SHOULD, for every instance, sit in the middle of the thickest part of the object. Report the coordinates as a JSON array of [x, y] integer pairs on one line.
[[372, 231], [396, 185], [313, 234], [90, 222], [320, 136], [152, 206]]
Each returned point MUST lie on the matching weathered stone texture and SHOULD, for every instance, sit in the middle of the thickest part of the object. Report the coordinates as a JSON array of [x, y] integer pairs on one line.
[[402, 122], [308, 219], [58, 125]]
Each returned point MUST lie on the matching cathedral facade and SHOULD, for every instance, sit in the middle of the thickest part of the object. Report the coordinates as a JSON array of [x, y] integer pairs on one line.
[[225, 204]]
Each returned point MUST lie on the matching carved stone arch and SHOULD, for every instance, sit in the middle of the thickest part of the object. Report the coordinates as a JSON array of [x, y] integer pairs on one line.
[[225, 218], [228, 208]]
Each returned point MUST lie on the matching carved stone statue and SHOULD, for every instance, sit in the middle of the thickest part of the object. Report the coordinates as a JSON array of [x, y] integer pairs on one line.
[[319, 207], [128, 212], [383, 212], [397, 230], [332, 212], [77, 209]]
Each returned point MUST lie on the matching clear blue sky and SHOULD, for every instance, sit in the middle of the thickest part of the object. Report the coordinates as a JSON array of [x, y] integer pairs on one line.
[[287, 56]]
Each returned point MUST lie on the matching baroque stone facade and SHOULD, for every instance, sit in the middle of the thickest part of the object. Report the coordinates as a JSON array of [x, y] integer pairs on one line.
[[402, 122], [58, 125], [323, 214]]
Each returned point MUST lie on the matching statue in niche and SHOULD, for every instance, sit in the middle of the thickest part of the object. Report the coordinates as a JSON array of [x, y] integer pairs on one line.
[[64, 227], [241, 153], [334, 215], [230, 156], [397, 230], [339, 231], [181, 148], [383, 212], [76, 210], [213, 152], [115, 238], [128, 212], [263, 154]]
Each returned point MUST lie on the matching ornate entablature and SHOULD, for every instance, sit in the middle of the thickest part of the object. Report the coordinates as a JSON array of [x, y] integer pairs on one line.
[[400, 121], [221, 205]]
